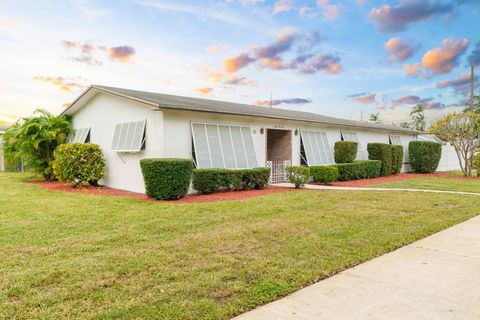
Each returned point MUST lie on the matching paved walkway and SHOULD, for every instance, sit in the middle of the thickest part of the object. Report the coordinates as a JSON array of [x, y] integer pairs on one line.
[[322, 187], [435, 278]]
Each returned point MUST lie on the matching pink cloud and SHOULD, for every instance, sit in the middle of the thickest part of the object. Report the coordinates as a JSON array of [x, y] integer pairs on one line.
[[443, 59], [364, 98], [121, 53], [398, 50]]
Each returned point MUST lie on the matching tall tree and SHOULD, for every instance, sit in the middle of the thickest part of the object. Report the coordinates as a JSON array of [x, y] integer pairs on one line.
[[462, 131], [418, 117], [374, 117], [35, 138]]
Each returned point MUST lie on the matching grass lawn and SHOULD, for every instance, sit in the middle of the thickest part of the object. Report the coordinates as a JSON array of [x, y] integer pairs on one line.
[[434, 183], [65, 255]]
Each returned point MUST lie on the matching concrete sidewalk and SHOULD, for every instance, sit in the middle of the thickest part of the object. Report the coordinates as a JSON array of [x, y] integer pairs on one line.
[[434, 278], [324, 187]]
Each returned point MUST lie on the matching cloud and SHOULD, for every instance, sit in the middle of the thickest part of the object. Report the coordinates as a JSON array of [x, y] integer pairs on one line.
[[413, 70], [62, 83], [474, 57], [250, 2], [398, 50], [363, 98], [215, 77], [290, 51], [276, 102], [397, 18], [330, 11], [439, 60], [434, 105], [121, 53], [410, 100], [7, 24], [442, 60], [204, 90], [460, 84], [85, 50], [282, 6], [240, 81]]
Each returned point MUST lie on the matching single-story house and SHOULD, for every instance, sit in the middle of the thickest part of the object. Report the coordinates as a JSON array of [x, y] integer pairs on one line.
[[130, 125]]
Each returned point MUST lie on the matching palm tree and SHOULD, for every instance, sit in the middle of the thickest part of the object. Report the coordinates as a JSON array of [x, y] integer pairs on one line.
[[374, 117]]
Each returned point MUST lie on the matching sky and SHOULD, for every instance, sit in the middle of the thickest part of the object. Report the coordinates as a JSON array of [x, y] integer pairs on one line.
[[341, 58]]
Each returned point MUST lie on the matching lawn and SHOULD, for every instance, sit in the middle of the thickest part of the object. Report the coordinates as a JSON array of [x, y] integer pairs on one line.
[[65, 255], [435, 183]]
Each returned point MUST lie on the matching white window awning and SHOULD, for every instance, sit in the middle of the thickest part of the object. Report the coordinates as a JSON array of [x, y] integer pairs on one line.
[[316, 147], [129, 136], [352, 136], [223, 146], [78, 135], [395, 140]]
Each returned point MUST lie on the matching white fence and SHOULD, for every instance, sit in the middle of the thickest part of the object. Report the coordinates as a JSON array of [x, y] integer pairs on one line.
[[277, 170]]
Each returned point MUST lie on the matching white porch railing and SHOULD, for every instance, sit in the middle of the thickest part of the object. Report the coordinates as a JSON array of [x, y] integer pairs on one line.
[[277, 170]]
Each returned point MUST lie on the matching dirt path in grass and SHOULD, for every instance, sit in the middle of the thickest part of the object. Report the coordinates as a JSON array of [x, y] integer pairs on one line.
[[189, 198]]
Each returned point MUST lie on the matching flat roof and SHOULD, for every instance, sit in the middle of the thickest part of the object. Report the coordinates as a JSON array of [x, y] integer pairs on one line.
[[167, 101]]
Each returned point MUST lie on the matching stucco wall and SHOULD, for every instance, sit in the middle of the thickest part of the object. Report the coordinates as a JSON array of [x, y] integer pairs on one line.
[[168, 134], [102, 113]]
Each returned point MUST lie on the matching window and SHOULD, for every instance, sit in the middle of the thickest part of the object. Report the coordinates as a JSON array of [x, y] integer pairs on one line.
[[352, 136], [223, 146], [396, 140], [79, 135], [129, 136], [317, 148]]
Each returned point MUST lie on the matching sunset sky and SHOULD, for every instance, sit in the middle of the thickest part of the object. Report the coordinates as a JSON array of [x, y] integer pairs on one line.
[[333, 57]]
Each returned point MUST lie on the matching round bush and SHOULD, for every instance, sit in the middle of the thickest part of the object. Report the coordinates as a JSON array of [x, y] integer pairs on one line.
[[345, 151], [324, 174], [424, 156], [79, 163], [297, 175], [165, 178]]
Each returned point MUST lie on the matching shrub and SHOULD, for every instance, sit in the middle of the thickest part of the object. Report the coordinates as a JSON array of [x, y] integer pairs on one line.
[[382, 152], [79, 163], [476, 163], [211, 180], [397, 158], [362, 169], [166, 179], [424, 156], [324, 174], [345, 151], [215, 180], [297, 175]]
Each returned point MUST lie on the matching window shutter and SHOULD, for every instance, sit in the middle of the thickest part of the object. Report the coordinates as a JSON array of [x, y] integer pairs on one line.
[[317, 148]]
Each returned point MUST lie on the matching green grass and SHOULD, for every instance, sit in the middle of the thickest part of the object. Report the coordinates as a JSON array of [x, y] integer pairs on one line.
[[65, 255], [434, 183]]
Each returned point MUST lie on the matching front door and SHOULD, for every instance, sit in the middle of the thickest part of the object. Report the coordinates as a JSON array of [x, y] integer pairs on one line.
[[278, 153]]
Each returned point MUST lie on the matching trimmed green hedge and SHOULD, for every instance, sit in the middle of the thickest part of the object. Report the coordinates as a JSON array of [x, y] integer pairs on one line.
[[297, 175], [382, 152], [166, 178], [79, 163], [345, 151], [362, 169], [214, 180], [397, 158], [324, 174], [424, 156]]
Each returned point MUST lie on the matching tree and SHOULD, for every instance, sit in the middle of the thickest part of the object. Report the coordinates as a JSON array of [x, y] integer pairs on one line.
[[462, 131], [418, 117], [34, 140], [405, 124], [375, 117], [473, 105]]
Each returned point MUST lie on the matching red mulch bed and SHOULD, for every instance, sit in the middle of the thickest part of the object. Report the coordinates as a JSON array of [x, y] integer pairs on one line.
[[393, 178], [189, 198]]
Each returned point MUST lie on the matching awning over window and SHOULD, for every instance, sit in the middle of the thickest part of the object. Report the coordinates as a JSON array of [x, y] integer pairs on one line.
[[78, 135], [317, 148], [223, 146], [396, 140], [129, 136]]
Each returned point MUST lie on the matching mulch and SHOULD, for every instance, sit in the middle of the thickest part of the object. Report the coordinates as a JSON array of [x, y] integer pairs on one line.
[[392, 178], [189, 198]]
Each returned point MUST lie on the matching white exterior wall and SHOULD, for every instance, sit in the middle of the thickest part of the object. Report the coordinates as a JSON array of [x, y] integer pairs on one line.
[[449, 160], [168, 135], [101, 114]]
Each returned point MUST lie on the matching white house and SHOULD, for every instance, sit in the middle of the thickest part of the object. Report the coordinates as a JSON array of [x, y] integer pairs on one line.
[[131, 125]]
